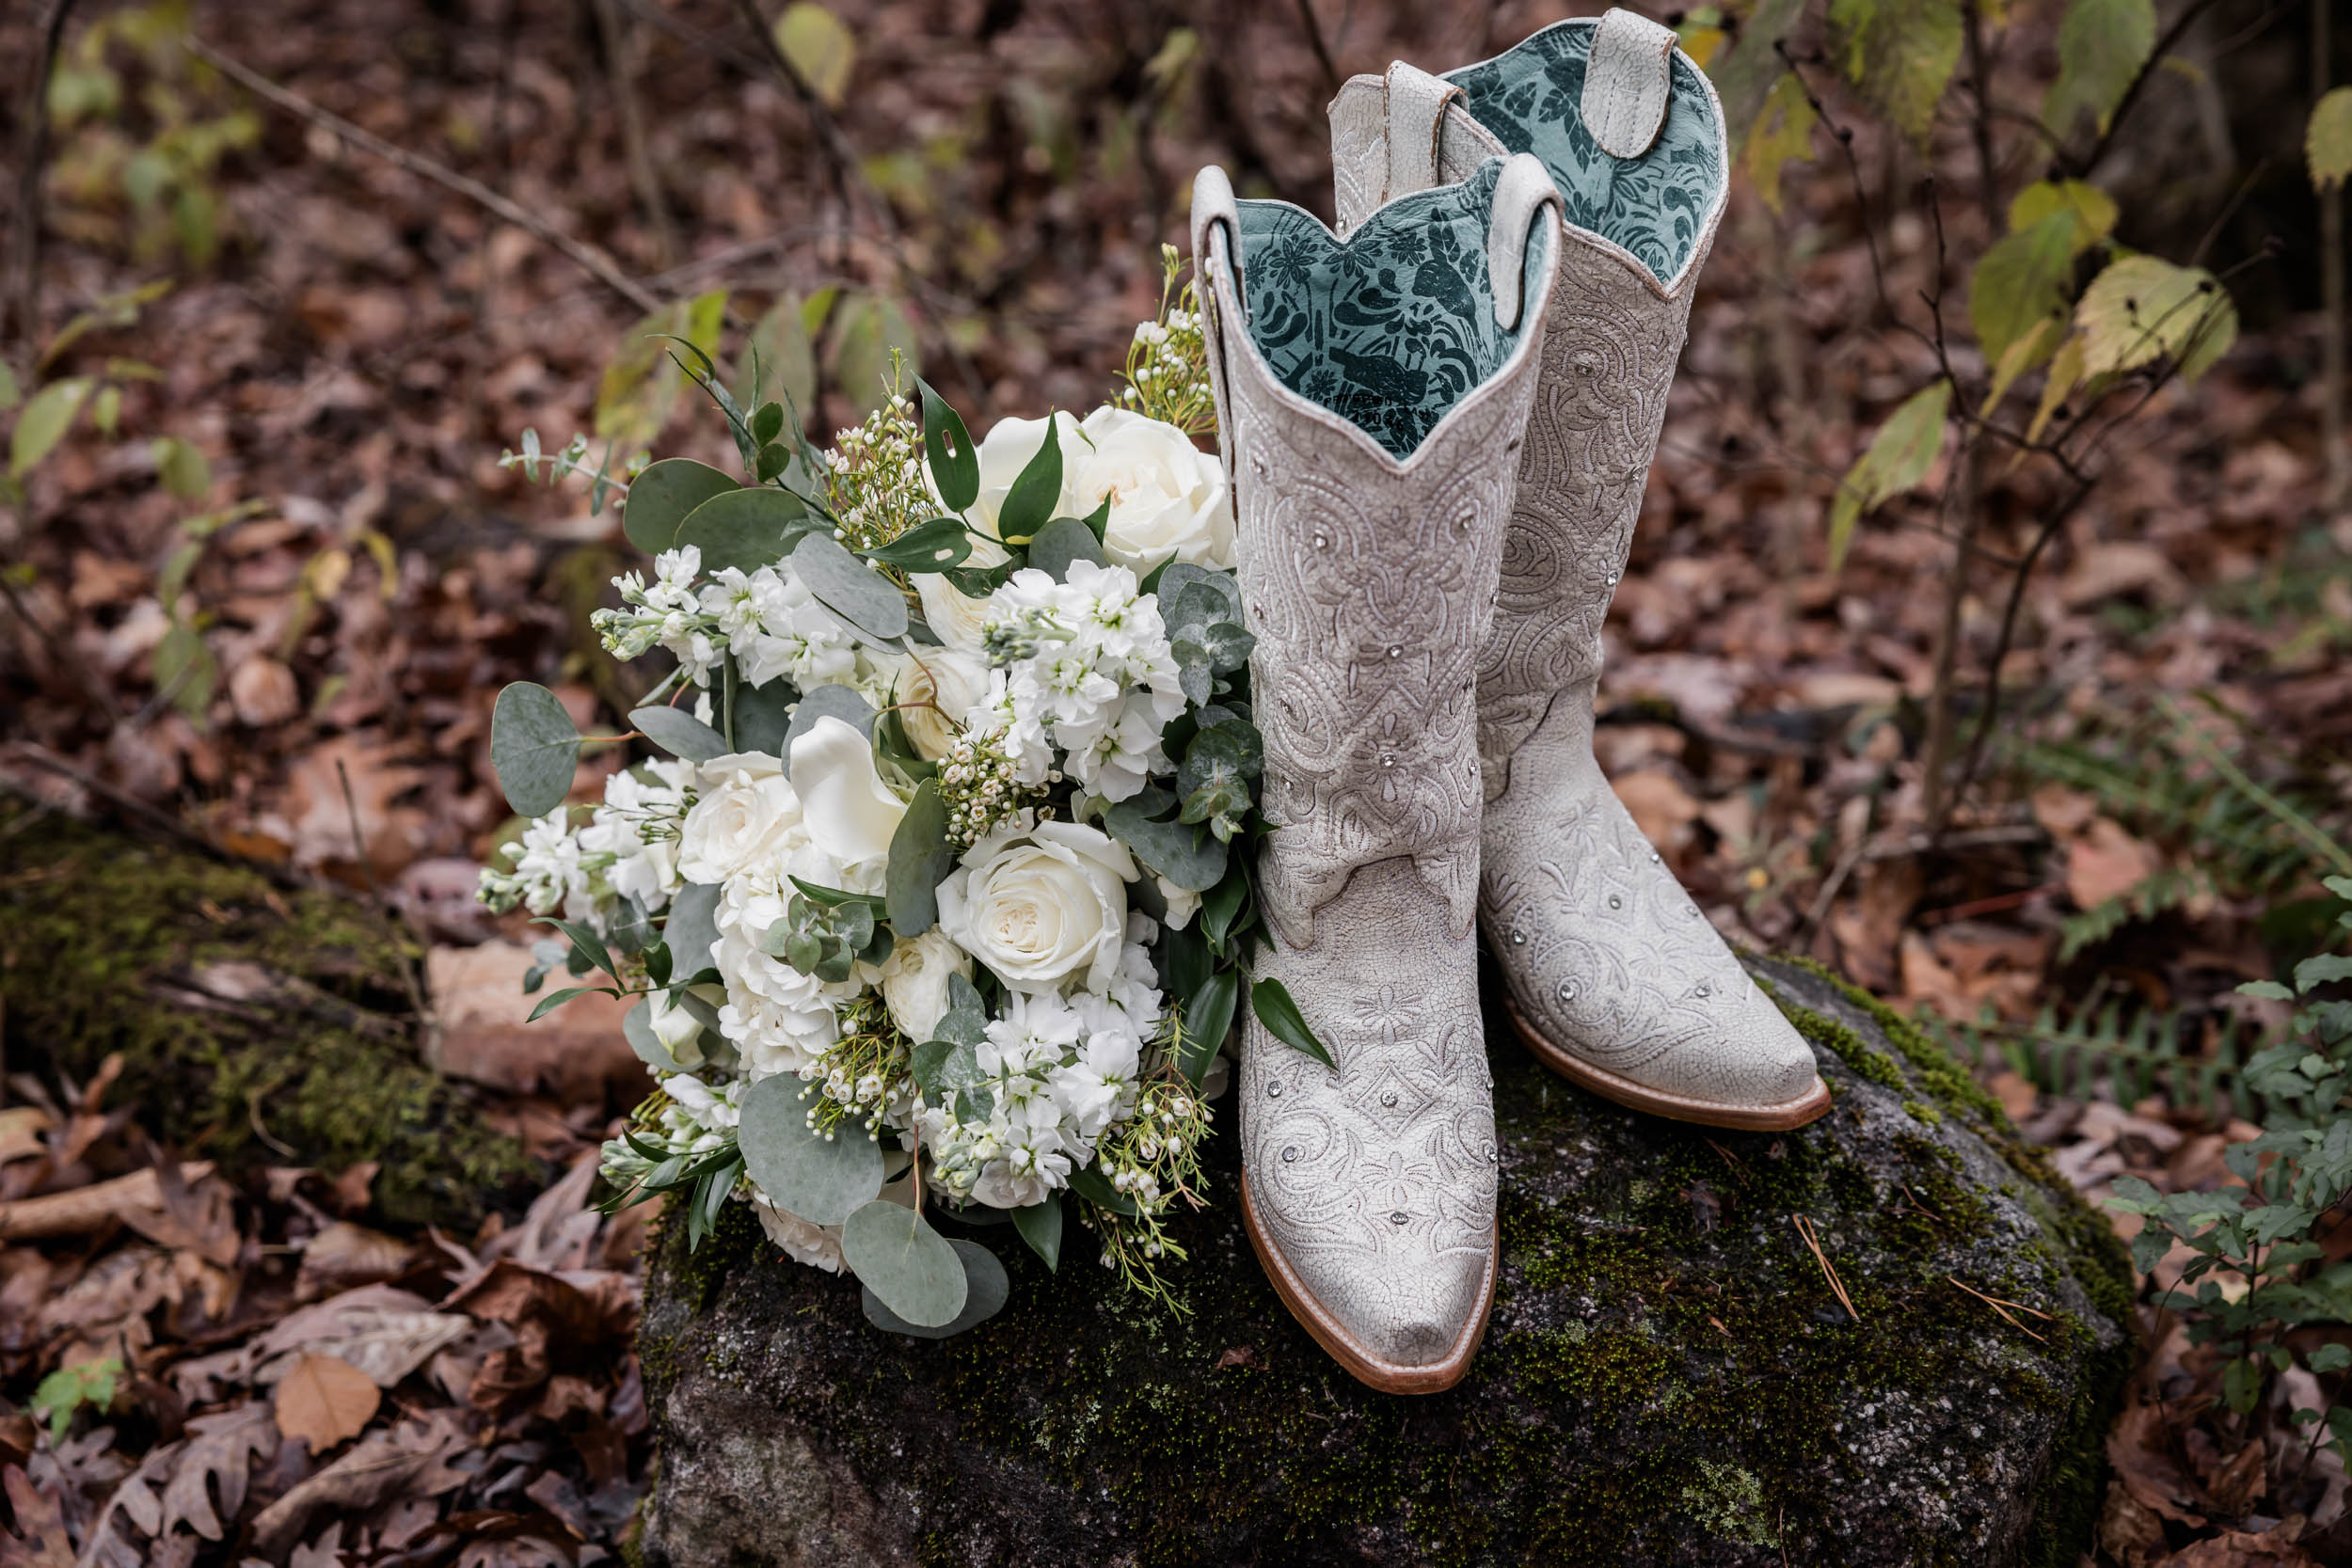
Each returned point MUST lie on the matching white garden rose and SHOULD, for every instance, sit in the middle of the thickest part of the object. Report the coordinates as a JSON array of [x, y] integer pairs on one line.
[[914, 982], [849, 813], [933, 690], [1169, 498], [958, 620], [1041, 907], [746, 813]]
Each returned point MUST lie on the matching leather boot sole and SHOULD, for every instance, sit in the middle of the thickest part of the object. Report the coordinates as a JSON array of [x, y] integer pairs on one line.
[[1365, 1368], [1810, 1106]]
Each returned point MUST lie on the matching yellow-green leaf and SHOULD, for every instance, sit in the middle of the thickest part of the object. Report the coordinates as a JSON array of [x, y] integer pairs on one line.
[[2030, 350], [2101, 46], [2018, 281], [1899, 457], [2093, 209], [2142, 308], [2066, 372], [9, 395], [820, 47], [865, 328], [2327, 140], [46, 418], [1900, 54], [787, 360], [185, 671], [182, 468], [641, 382], [1783, 133]]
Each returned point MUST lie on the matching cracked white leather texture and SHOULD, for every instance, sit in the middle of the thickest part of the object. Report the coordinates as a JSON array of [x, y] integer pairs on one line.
[[1604, 954], [1370, 586], [1624, 101]]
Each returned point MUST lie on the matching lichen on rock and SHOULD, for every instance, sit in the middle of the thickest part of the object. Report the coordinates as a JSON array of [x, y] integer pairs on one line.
[[1669, 1377], [256, 1023]]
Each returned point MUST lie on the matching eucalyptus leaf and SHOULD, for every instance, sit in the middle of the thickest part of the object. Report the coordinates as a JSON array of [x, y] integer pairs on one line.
[[910, 1267], [965, 1021], [1183, 854], [1271, 1000], [1040, 1224], [747, 529], [1208, 1016], [931, 546], [637, 1028], [630, 928], [870, 602], [1061, 542], [1095, 1188], [664, 495], [1194, 675], [822, 1181], [1229, 646], [679, 733], [692, 928], [920, 856], [954, 462], [985, 1288], [828, 702], [1180, 575], [763, 717], [1036, 491], [535, 747]]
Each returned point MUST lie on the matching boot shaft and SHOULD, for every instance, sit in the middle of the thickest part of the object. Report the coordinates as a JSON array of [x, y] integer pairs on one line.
[[1631, 134], [1373, 396]]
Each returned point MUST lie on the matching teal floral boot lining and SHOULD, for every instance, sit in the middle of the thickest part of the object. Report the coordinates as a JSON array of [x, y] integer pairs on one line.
[[1654, 206], [1394, 326]]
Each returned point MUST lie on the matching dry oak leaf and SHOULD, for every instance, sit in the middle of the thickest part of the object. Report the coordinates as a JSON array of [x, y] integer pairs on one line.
[[2108, 862], [2237, 1549], [409, 1459], [39, 1539], [324, 1401]]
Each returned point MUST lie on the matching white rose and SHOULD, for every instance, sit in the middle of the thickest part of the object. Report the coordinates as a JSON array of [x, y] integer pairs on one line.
[[1003, 452], [1047, 905], [957, 619], [746, 812], [914, 982], [1169, 498], [849, 813], [934, 689]]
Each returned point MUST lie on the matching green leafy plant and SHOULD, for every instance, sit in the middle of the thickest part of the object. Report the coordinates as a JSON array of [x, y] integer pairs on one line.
[[2259, 1271], [69, 1390]]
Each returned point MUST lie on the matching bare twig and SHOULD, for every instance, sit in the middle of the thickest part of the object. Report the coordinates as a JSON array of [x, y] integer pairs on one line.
[[589, 259], [32, 153], [1313, 26], [87, 1208], [613, 33]]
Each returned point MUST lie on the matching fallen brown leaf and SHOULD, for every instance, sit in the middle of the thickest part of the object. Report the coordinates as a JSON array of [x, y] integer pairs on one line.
[[345, 1256], [325, 1400], [39, 1539], [2106, 863], [378, 1470]]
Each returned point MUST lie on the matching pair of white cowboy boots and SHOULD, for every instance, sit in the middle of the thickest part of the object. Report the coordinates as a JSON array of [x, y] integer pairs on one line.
[[1438, 429]]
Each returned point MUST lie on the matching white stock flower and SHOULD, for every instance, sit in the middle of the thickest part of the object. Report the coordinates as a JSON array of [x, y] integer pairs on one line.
[[914, 982], [1169, 498], [1041, 907], [849, 811], [746, 813]]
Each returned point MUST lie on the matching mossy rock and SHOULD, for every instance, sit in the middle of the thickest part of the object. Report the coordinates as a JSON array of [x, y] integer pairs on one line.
[[1669, 1377], [257, 1025]]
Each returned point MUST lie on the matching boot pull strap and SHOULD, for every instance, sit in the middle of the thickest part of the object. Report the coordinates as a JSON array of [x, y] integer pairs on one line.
[[1526, 187], [1416, 119], [1215, 264], [1627, 79]]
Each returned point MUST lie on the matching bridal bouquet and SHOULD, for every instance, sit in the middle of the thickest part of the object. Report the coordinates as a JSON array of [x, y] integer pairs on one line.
[[940, 901]]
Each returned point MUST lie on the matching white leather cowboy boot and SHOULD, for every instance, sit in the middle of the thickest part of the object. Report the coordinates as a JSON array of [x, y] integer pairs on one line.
[[1372, 397], [1616, 980]]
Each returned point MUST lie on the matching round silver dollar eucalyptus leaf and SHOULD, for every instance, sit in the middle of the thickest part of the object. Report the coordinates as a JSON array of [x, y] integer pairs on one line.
[[679, 733], [822, 1181], [985, 1288], [910, 1267]]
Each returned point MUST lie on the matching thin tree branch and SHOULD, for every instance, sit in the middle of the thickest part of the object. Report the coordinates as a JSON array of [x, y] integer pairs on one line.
[[614, 33], [1313, 26], [590, 260], [2173, 35], [32, 153]]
